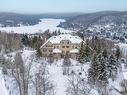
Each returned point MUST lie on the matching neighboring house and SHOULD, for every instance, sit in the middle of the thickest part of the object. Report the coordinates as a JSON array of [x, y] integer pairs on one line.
[[61, 45]]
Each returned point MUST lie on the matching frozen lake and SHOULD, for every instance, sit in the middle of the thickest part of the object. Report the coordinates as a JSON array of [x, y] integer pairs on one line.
[[44, 25]]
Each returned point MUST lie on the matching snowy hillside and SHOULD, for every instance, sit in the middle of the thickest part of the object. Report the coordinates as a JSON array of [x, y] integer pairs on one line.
[[44, 25]]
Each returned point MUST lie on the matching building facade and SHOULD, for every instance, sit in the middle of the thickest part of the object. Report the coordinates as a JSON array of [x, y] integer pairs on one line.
[[61, 45]]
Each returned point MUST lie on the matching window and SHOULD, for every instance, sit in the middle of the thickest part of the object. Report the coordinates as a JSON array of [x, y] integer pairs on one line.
[[67, 46], [68, 42], [50, 50], [57, 46], [63, 46]]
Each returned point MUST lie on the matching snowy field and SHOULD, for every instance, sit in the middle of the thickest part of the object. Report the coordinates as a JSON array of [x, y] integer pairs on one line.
[[55, 71], [44, 25], [56, 75]]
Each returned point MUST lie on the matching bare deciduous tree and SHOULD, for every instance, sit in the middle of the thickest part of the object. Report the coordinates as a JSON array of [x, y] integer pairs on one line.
[[21, 73], [77, 86], [41, 82]]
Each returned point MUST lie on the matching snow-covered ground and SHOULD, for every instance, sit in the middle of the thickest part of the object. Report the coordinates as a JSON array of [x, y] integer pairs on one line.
[[55, 71], [56, 74], [3, 89], [58, 79], [44, 25]]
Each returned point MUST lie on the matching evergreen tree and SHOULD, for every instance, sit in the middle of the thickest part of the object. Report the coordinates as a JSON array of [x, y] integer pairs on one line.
[[105, 53], [98, 75], [118, 53], [48, 34], [112, 67], [93, 43], [25, 40], [98, 48], [81, 55], [102, 78], [84, 52], [87, 51], [59, 32], [33, 42], [54, 33], [39, 42], [36, 42], [93, 70]]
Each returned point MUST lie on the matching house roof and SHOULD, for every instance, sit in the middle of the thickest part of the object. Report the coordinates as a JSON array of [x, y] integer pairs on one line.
[[59, 38], [56, 50]]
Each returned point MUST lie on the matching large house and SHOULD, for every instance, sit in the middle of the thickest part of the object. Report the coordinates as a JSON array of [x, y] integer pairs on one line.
[[61, 45]]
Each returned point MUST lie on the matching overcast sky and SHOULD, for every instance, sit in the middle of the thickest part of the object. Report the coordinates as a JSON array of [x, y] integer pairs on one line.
[[59, 6]]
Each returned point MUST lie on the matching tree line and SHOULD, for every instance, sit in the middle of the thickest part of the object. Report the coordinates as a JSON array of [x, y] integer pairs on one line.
[[104, 62]]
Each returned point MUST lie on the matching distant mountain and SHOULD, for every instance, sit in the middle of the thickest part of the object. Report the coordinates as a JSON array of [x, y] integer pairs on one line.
[[14, 19], [84, 21]]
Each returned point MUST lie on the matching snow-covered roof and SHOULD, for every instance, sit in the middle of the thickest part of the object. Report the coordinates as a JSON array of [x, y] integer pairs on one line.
[[59, 38], [74, 51], [56, 50]]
